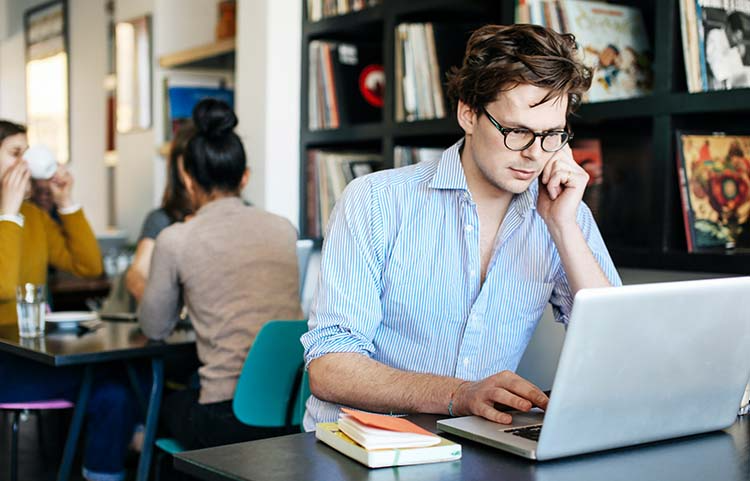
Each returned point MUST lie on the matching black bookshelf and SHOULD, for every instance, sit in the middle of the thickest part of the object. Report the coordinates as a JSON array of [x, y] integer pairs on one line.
[[641, 219]]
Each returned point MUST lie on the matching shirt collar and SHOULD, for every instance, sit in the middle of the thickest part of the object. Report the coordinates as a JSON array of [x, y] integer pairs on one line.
[[450, 175], [450, 172]]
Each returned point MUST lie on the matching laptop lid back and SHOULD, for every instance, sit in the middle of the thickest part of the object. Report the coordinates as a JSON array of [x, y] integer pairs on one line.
[[649, 362]]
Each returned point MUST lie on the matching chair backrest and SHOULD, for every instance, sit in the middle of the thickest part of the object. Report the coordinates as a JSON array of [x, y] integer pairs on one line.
[[269, 380], [304, 249]]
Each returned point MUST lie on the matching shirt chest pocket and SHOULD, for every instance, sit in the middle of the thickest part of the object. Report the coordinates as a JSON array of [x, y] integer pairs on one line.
[[525, 301]]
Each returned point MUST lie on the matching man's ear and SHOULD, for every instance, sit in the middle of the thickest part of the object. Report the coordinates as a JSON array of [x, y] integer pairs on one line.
[[467, 117]]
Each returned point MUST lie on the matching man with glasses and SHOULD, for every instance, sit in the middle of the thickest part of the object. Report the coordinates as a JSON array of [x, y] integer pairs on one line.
[[434, 276]]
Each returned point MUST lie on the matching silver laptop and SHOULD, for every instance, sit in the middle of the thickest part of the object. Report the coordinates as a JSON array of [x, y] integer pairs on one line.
[[639, 364]]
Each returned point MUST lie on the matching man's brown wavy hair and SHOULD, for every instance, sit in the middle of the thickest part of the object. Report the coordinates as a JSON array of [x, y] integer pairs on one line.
[[501, 57]]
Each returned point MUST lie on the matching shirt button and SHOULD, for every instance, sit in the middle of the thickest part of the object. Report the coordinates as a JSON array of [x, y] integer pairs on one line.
[[469, 228], [466, 361], [472, 273]]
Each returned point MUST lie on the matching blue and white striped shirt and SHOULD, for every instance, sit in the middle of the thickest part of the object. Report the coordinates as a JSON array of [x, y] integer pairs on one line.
[[400, 277]]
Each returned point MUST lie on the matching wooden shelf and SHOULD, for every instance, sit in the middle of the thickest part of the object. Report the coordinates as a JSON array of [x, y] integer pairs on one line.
[[716, 262], [349, 23], [710, 102], [217, 55], [344, 135], [447, 127], [645, 106]]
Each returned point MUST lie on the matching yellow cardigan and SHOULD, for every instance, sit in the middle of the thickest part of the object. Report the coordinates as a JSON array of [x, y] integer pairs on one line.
[[26, 252]]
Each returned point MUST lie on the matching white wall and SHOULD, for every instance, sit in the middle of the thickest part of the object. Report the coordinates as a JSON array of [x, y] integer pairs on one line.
[[12, 59], [268, 99], [88, 68], [135, 151]]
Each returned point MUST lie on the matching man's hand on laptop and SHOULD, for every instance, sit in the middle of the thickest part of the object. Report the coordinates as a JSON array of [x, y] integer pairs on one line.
[[506, 388]]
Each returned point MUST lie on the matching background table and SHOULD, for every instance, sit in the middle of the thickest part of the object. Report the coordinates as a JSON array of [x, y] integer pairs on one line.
[[110, 342], [721, 456]]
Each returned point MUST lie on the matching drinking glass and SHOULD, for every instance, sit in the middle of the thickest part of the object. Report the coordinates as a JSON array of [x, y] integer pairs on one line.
[[31, 305]]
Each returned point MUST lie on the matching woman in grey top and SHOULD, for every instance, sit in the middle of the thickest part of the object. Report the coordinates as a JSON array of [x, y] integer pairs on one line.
[[233, 266]]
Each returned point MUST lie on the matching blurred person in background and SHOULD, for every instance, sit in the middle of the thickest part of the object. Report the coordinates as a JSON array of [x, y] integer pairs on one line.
[[175, 207], [233, 266]]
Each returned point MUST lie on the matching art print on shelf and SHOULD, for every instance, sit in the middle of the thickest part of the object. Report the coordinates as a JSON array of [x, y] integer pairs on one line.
[[613, 41], [47, 94], [714, 172]]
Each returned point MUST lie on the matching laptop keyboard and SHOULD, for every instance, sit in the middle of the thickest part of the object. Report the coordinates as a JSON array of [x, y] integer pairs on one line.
[[527, 432]]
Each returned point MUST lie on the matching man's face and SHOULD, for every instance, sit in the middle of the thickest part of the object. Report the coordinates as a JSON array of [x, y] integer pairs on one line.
[[41, 194], [505, 169], [11, 149]]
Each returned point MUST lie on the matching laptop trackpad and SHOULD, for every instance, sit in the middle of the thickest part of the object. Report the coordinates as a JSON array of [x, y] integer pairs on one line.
[[535, 416]]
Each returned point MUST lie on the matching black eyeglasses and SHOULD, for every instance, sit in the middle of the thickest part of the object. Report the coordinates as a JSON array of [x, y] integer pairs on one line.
[[518, 139]]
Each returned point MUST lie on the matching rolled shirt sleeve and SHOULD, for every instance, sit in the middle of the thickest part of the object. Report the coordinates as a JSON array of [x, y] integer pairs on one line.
[[562, 297], [347, 311]]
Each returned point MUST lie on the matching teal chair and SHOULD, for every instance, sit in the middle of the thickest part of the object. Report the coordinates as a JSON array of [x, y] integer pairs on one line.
[[270, 387]]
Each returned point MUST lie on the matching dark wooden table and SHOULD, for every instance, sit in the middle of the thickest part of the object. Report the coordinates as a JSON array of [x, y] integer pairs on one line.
[[720, 456], [109, 342]]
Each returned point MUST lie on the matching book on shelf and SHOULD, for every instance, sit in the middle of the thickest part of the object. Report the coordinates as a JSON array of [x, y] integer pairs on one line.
[[406, 155], [346, 84], [320, 9], [588, 154], [714, 176], [328, 173], [716, 44], [424, 54], [376, 440], [612, 40]]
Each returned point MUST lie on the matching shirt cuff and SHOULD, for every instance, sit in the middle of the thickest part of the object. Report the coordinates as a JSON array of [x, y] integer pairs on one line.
[[15, 218], [69, 210]]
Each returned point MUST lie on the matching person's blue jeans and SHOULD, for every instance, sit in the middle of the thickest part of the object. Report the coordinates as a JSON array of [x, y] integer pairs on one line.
[[111, 414]]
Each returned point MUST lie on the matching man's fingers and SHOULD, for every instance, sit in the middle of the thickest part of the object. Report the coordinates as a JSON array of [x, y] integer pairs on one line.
[[547, 171], [488, 412], [507, 398], [519, 386]]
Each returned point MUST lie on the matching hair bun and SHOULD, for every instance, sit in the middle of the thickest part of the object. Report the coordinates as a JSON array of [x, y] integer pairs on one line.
[[213, 118]]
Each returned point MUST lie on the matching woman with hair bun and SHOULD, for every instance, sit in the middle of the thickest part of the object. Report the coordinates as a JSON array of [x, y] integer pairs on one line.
[[233, 266]]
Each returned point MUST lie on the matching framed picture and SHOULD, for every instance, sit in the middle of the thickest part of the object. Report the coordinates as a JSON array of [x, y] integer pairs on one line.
[[133, 67], [47, 77]]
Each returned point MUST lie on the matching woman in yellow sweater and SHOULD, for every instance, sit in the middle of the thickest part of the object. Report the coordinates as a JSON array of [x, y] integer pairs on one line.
[[29, 241]]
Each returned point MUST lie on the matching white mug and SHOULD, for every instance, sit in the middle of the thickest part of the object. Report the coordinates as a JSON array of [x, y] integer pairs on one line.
[[41, 160]]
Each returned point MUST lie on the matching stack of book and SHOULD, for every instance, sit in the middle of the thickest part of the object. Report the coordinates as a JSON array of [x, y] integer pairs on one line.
[[379, 441], [715, 44], [346, 84], [404, 155], [328, 173], [612, 39], [424, 53], [319, 9]]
